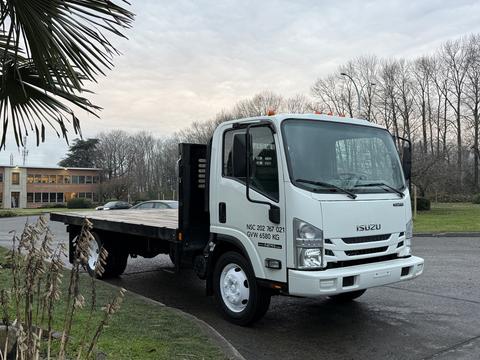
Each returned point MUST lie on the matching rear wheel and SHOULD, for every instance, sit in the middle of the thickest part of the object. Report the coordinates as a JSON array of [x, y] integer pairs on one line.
[[348, 296], [239, 296], [116, 260]]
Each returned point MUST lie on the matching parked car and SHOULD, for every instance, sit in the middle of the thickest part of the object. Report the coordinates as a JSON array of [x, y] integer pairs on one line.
[[156, 204], [114, 205]]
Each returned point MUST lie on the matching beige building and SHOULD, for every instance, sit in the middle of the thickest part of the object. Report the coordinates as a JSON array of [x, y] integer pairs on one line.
[[32, 187]]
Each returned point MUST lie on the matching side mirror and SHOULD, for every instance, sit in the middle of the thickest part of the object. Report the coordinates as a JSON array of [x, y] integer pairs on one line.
[[407, 162], [406, 156]]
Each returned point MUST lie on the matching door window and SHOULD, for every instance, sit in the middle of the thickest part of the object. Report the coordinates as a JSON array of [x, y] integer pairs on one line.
[[263, 167]]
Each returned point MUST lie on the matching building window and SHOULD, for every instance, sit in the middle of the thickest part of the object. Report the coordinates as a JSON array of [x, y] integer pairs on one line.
[[95, 197], [30, 197], [96, 180], [59, 179], [81, 195], [60, 198], [66, 179], [1, 198], [53, 179], [30, 179], [38, 197], [44, 197], [53, 197], [15, 178], [44, 179], [38, 179], [1, 177], [81, 179], [75, 179], [89, 195], [88, 180]]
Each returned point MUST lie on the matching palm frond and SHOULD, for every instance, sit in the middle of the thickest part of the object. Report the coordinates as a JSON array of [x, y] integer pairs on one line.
[[28, 106], [64, 37], [63, 45]]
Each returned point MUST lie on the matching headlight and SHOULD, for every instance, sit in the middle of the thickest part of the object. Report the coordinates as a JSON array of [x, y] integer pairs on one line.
[[408, 239], [308, 244]]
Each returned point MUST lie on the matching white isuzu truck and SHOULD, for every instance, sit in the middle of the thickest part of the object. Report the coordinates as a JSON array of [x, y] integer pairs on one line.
[[304, 205]]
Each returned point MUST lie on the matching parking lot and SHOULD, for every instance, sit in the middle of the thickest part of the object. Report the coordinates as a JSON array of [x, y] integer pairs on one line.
[[435, 316]]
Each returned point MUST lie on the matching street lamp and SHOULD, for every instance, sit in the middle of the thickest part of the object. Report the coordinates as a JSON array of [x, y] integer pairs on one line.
[[356, 89], [359, 92]]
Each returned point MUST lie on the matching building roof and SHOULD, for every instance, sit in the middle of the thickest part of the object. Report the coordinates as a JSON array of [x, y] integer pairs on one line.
[[48, 167]]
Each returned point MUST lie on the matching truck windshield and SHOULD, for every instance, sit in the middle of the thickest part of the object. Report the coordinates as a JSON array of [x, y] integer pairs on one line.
[[327, 156]]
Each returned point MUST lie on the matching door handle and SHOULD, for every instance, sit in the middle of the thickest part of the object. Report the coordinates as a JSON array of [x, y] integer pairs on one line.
[[222, 212]]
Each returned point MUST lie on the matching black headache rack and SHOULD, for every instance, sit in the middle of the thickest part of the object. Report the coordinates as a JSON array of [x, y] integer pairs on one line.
[[193, 214]]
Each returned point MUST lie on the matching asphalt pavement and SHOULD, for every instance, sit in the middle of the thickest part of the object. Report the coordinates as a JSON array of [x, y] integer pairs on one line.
[[436, 316]]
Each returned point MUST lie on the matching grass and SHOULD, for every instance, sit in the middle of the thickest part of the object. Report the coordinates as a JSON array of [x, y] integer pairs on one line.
[[448, 217], [33, 212], [139, 330]]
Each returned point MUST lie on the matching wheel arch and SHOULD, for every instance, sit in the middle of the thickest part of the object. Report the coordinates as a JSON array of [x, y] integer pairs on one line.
[[224, 243]]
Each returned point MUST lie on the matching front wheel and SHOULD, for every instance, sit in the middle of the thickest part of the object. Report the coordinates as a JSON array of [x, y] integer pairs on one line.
[[239, 296], [348, 296]]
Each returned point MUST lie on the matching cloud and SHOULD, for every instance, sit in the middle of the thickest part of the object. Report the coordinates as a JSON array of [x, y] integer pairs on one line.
[[186, 60]]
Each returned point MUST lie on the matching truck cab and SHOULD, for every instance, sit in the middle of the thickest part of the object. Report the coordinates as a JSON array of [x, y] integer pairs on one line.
[[309, 205]]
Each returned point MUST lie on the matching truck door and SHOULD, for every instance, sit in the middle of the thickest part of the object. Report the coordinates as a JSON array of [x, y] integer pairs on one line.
[[244, 219]]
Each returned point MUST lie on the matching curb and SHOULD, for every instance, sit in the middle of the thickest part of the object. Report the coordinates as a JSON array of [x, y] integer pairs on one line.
[[225, 346], [448, 234]]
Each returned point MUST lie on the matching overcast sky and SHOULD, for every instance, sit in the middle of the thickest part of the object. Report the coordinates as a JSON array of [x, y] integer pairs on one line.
[[185, 60]]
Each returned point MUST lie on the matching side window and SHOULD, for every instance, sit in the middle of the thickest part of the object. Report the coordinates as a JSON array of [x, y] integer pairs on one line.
[[161, 206], [234, 154], [146, 206], [263, 169]]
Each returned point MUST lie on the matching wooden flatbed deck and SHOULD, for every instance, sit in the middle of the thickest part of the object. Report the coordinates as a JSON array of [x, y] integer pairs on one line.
[[155, 223]]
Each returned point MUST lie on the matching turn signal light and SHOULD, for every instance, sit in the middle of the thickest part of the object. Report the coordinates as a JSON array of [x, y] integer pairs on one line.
[[270, 112]]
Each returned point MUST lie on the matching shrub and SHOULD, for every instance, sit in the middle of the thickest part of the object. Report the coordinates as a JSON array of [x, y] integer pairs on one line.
[[476, 199], [59, 206], [7, 213], [35, 264], [79, 203], [53, 206], [423, 204]]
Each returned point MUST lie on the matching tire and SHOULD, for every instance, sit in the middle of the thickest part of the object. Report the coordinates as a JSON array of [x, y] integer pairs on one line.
[[116, 261], [348, 296], [238, 295]]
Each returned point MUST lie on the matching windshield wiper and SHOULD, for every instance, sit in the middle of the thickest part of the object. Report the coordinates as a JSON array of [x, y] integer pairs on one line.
[[384, 185], [320, 183]]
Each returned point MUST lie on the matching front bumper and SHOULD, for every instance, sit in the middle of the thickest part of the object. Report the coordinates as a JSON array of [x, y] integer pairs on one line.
[[351, 278]]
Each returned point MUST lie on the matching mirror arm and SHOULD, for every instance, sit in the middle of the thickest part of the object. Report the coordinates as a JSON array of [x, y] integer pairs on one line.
[[274, 211]]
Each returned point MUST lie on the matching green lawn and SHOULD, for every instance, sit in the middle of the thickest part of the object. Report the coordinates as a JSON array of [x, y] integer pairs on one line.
[[449, 217], [32, 212], [139, 330]]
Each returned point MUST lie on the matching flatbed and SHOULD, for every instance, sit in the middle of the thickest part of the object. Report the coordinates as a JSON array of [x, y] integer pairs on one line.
[[156, 223]]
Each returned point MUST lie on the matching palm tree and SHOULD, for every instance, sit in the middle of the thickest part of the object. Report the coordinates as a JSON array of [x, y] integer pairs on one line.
[[49, 49]]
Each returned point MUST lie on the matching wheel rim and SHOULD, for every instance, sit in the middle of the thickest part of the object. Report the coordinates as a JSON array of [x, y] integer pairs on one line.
[[93, 254], [234, 288]]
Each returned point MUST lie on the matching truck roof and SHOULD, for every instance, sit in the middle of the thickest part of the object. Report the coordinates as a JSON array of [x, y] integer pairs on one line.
[[321, 117]]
